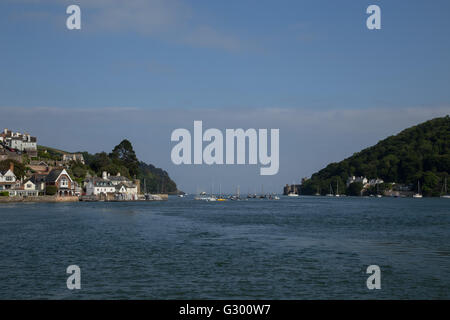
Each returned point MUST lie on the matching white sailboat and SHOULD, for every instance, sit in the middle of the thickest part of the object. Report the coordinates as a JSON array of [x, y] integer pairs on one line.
[[378, 192], [444, 194], [212, 197], [293, 193], [418, 194], [318, 191], [331, 191], [337, 189]]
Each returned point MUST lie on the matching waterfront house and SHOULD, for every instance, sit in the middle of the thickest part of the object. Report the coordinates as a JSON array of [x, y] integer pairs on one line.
[[39, 180], [62, 180], [117, 179], [126, 191], [8, 179], [98, 186], [125, 188], [119, 186], [27, 189]]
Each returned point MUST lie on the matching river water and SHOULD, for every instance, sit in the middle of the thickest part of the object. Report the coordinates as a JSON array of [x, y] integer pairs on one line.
[[302, 248]]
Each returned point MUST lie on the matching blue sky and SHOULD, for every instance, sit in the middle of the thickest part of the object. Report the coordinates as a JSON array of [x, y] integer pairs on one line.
[[191, 57]]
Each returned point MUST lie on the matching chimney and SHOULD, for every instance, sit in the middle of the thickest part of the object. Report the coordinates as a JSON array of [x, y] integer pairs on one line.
[[11, 166], [118, 174], [137, 182], [104, 175]]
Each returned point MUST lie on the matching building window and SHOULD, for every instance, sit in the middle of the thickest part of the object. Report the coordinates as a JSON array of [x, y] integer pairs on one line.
[[64, 183], [9, 178]]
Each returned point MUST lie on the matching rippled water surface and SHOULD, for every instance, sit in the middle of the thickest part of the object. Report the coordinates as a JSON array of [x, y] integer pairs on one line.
[[305, 248]]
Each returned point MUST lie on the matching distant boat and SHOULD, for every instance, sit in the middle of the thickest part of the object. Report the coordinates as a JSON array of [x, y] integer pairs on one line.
[[444, 193], [293, 193], [337, 189], [262, 195], [318, 191], [378, 192], [418, 194], [220, 198], [331, 191]]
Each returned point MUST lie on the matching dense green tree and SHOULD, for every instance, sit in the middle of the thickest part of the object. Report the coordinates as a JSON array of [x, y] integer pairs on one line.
[[155, 179], [123, 160], [420, 153], [354, 189], [123, 154]]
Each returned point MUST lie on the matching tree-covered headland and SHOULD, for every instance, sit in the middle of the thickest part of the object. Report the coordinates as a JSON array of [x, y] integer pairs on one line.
[[420, 153]]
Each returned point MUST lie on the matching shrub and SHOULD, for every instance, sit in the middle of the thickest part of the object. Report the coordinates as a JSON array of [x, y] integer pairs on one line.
[[51, 190], [4, 194]]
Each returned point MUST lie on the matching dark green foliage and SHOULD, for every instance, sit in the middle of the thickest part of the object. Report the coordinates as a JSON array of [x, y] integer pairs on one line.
[[78, 171], [123, 155], [355, 189], [420, 153], [123, 159], [156, 179], [50, 190], [4, 194]]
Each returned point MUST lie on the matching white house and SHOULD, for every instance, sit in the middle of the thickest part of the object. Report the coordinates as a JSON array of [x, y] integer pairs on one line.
[[39, 180], [353, 179], [19, 141], [8, 179], [97, 186], [28, 189], [126, 191], [122, 187]]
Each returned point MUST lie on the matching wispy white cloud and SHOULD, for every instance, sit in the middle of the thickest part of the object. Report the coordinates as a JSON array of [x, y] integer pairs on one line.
[[168, 20]]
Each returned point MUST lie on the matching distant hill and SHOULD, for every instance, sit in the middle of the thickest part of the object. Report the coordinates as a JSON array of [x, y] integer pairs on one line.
[[420, 153]]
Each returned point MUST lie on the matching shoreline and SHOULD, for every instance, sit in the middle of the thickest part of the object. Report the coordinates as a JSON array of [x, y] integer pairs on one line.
[[42, 199], [66, 199]]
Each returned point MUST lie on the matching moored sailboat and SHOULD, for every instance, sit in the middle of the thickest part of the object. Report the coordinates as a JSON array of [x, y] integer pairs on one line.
[[293, 193], [444, 193], [331, 191], [418, 194]]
